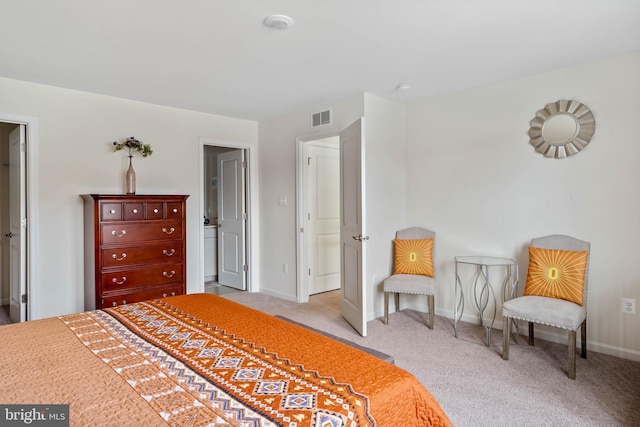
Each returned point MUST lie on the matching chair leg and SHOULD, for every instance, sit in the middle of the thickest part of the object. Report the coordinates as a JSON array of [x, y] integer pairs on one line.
[[397, 294], [572, 355], [506, 334], [432, 305], [583, 339], [386, 308], [531, 339]]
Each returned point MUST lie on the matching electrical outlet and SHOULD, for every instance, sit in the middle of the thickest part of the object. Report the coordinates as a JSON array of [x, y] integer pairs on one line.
[[628, 306]]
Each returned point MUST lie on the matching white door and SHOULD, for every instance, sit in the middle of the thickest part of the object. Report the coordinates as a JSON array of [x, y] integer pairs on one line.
[[352, 224], [231, 219], [323, 218], [17, 229]]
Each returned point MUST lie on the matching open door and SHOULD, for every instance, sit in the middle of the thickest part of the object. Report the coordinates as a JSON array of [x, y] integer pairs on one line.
[[352, 224], [231, 219], [17, 220]]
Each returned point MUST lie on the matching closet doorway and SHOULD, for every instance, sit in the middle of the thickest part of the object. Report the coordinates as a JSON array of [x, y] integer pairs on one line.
[[226, 205], [13, 218]]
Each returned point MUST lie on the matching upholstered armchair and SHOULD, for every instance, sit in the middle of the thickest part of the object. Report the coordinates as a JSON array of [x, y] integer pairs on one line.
[[555, 292], [413, 269]]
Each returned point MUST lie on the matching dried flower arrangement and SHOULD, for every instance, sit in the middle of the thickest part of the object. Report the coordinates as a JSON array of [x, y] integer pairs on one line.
[[133, 146]]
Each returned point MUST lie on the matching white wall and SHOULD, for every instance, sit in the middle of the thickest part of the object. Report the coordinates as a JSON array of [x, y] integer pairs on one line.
[[386, 191], [75, 130], [474, 178]]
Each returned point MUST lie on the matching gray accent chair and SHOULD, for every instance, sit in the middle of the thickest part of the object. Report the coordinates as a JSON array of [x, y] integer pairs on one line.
[[411, 283], [551, 311]]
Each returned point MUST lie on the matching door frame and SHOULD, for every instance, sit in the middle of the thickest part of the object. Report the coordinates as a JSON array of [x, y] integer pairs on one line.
[[302, 142], [252, 243], [31, 198]]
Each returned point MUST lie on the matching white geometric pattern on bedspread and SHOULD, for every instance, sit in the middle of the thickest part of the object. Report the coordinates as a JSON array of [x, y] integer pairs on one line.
[[181, 396]]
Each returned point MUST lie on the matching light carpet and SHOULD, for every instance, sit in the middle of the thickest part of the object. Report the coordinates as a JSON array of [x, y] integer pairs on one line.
[[474, 386]]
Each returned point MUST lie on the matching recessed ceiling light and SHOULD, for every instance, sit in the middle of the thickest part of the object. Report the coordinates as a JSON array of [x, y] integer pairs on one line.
[[403, 86], [278, 22]]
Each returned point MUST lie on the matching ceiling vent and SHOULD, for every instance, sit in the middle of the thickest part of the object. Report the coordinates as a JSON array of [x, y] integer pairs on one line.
[[321, 118]]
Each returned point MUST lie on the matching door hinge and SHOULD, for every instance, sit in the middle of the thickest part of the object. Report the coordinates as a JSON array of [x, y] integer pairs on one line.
[[308, 161], [23, 222], [244, 164], [309, 272], [245, 216], [24, 298], [245, 268], [23, 147], [309, 216]]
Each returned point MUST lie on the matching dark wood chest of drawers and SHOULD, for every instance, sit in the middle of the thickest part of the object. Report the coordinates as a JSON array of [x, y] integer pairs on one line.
[[134, 248]]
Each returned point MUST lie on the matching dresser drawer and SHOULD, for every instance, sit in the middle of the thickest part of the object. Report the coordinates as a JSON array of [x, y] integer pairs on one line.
[[174, 210], [133, 255], [133, 211], [131, 279], [163, 292], [111, 211], [153, 230], [154, 210]]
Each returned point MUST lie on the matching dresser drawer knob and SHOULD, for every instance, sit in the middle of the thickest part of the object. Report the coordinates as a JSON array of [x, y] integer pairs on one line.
[[165, 274], [173, 294], [135, 211], [169, 231], [122, 233], [112, 211], [114, 304], [114, 280], [114, 256], [169, 253], [164, 295], [175, 210], [155, 210], [124, 301]]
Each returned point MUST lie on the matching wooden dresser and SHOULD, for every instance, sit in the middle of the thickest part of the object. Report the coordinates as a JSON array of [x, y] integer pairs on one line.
[[134, 248]]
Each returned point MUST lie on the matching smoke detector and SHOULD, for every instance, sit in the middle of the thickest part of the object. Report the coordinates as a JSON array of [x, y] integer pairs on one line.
[[402, 87], [278, 22]]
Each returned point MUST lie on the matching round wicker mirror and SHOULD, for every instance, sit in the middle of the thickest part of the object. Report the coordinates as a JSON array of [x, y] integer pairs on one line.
[[561, 129]]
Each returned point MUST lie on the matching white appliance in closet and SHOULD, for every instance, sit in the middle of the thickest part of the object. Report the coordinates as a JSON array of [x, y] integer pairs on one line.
[[210, 253]]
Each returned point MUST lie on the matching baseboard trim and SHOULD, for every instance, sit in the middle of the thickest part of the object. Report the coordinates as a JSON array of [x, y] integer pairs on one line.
[[277, 294], [555, 335]]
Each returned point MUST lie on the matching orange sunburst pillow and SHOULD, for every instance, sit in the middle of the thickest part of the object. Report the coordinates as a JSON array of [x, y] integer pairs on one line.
[[556, 273], [414, 256]]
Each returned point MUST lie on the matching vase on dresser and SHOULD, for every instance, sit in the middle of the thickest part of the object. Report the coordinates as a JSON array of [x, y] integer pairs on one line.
[[131, 178]]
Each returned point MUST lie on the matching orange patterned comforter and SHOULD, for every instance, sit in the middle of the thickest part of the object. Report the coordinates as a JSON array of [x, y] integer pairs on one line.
[[203, 360]]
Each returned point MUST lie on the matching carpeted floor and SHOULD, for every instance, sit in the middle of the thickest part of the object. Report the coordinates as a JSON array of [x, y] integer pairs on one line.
[[473, 384]]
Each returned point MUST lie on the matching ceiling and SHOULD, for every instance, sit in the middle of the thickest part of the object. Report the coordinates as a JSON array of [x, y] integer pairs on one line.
[[216, 56]]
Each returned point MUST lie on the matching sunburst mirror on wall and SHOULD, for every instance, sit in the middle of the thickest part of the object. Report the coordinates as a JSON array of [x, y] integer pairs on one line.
[[561, 129]]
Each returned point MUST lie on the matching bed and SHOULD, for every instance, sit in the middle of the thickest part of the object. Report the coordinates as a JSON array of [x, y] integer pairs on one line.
[[200, 359]]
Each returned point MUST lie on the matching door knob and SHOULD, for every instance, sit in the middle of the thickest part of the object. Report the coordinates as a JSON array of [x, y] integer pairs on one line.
[[9, 235], [360, 238]]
